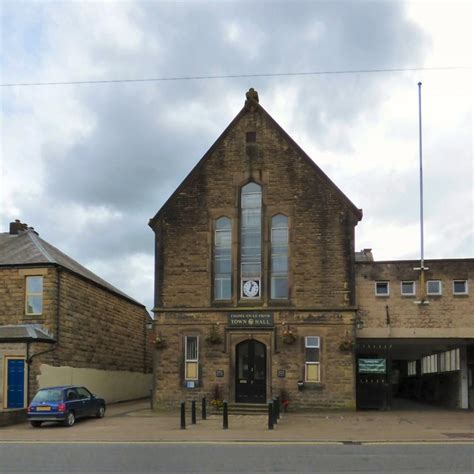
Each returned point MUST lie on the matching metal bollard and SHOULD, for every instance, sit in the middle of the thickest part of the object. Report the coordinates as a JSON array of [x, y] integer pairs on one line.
[[225, 420], [275, 416], [183, 416], [270, 415], [203, 408], [193, 412]]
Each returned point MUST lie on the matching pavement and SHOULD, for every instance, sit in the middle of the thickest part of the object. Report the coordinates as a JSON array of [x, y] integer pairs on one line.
[[134, 422]]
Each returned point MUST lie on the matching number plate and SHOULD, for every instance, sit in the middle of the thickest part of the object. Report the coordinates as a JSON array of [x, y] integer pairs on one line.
[[43, 409]]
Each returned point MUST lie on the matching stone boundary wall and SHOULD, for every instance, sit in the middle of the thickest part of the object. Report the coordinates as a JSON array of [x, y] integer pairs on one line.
[[113, 386], [12, 417]]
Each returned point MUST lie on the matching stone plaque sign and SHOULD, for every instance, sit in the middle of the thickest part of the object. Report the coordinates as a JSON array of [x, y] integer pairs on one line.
[[281, 373], [250, 320]]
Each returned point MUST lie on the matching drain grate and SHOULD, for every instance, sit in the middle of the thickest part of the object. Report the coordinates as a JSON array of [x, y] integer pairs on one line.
[[356, 443], [459, 435]]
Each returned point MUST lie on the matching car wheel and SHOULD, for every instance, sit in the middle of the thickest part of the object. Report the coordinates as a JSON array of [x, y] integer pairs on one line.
[[70, 419], [36, 424], [100, 412]]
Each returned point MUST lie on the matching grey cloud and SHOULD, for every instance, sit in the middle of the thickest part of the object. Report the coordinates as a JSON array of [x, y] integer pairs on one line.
[[134, 150], [146, 137]]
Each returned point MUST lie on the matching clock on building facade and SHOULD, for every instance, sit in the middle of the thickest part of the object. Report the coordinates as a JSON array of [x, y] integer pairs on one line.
[[251, 289]]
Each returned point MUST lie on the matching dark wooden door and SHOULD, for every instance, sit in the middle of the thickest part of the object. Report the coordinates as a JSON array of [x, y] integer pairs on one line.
[[251, 372]]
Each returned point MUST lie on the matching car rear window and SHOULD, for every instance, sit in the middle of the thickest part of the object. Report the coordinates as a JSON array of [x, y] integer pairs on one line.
[[51, 395]]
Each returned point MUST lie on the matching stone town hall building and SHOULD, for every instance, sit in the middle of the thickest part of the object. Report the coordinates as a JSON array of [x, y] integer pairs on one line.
[[255, 276]]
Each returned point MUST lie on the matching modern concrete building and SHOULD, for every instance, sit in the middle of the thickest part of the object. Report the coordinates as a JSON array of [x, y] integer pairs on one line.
[[423, 334]]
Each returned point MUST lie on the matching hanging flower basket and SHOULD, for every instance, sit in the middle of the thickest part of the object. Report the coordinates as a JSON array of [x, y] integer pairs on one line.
[[347, 346], [289, 339], [159, 342], [288, 336], [214, 336]]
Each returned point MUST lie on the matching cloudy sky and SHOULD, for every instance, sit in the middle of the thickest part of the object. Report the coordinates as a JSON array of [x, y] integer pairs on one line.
[[87, 165]]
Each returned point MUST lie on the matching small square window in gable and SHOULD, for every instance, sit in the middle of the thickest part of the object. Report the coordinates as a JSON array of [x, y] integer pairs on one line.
[[460, 287], [408, 288], [433, 287], [382, 288], [251, 137]]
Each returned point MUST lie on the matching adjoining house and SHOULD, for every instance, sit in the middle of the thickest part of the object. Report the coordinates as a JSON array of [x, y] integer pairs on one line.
[[258, 293], [62, 324]]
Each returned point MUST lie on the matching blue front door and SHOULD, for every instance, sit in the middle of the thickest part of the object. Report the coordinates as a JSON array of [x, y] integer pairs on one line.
[[16, 383]]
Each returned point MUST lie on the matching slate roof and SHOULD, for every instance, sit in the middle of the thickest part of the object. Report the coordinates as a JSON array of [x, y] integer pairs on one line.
[[27, 248], [364, 255], [24, 332]]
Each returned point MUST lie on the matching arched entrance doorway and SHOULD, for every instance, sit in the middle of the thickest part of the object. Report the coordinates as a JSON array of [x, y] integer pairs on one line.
[[251, 372]]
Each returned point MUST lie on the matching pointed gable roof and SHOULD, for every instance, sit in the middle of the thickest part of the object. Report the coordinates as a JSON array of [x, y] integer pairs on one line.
[[251, 104], [27, 248]]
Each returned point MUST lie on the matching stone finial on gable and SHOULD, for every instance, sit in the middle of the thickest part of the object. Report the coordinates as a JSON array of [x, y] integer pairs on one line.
[[252, 98]]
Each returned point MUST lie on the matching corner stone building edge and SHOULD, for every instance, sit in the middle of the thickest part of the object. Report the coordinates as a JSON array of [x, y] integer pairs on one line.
[[304, 330]]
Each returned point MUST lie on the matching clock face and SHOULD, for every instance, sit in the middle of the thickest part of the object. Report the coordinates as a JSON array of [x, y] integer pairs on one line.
[[251, 288]]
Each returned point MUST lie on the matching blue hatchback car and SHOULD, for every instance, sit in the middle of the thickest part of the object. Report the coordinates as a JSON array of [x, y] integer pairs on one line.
[[64, 404]]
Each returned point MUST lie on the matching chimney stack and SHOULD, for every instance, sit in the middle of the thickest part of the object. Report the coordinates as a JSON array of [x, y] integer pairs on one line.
[[368, 255], [17, 227]]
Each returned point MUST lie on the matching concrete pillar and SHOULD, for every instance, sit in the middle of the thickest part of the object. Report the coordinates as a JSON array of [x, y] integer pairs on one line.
[[463, 379]]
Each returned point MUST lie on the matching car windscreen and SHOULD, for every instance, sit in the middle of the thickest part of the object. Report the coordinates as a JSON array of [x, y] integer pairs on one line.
[[50, 395]]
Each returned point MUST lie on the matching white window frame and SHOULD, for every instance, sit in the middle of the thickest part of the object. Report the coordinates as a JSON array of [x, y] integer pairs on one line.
[[449, 361], [307, 363], [430, 364], [440, 292], [382, 294], [186, 359], [466, 287], [27, 294], [413, 293], [411, 368]]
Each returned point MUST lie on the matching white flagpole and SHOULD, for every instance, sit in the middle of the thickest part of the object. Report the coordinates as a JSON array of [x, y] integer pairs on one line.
[[422, 267]]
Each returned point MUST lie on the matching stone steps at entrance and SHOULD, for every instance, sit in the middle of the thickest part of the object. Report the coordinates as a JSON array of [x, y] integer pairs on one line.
[[247, 408]]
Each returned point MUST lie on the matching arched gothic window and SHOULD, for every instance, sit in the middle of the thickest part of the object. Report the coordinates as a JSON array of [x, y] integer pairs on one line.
[[279, 260], [251, 241], [223, 259]]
